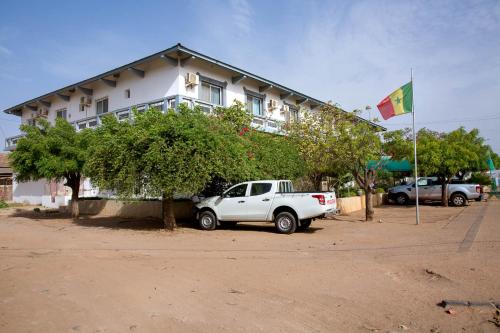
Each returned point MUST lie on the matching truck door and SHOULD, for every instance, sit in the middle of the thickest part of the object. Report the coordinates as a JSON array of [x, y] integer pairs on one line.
[[259, 201], [436, 190], [232, 205], [424, 189]]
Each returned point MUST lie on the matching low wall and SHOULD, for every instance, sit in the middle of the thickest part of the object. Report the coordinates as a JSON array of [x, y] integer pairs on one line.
[[352, 204], [133, 209]]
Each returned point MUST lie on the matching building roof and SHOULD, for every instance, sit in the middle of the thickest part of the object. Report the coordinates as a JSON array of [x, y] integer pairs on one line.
[[174, 54]]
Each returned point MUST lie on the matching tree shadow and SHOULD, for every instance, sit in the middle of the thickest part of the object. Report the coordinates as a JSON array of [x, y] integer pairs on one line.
[[140, 224]]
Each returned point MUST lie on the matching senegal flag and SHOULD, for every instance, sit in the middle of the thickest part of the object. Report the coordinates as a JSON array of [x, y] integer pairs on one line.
[[399, 102]]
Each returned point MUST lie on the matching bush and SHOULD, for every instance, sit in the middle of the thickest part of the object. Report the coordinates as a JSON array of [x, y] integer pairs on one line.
[[481, 179], [3, 204]]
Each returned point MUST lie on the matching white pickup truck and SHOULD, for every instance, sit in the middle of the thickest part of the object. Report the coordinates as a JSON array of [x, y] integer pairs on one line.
[[265, 200]]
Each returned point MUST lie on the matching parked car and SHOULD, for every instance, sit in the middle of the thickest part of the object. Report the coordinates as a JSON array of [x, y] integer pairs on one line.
[[265, 200], [429, 189]]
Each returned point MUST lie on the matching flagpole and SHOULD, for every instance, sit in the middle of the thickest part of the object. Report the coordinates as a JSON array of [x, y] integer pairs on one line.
[[414, 149]]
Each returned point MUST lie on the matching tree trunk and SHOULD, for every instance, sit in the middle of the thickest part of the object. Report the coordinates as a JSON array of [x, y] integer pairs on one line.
[[444, 193], [317, 182], [74, 184], [168, 212], [369, 212]]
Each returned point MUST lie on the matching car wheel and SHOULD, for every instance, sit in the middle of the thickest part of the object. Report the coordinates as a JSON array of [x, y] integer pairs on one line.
[[285, 223], [458, 200], [402, 199], [305, 224], [207, 220]]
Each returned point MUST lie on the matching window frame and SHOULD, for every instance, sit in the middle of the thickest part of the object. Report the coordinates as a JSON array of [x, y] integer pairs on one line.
[[222, 85], [255, 95], [232, 188], [63, 111], [101, 100], [260, 183]]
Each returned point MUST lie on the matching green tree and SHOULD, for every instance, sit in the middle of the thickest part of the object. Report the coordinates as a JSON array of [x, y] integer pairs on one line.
[[162, 154], [450, 154], [55, 152], [398, 144], [333, 142]]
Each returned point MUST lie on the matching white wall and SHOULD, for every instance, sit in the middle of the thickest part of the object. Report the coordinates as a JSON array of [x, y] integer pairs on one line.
[[233, 91], [29, 192], [161, 79]]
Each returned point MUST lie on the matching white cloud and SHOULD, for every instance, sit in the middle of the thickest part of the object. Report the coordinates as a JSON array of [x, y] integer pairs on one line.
[[5, 51], [242, 15]]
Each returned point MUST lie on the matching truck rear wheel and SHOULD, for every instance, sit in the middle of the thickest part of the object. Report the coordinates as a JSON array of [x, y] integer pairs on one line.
[[305, 224], [207, 220], [458, 199], [285, 223]]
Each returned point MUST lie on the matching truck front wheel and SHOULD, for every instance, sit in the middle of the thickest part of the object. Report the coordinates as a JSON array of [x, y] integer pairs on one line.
[[207, 220], [285, 223], [402, 199]]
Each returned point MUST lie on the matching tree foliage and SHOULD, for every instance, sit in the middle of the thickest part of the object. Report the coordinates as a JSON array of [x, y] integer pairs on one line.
[[184, 151], [333, 142], [441, 154], [54, 152]]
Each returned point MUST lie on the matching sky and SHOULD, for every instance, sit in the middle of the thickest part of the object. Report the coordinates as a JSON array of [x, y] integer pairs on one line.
[[353, 53]]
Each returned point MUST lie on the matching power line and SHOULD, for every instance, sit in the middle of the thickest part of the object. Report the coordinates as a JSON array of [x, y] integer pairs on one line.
[[450, 121]]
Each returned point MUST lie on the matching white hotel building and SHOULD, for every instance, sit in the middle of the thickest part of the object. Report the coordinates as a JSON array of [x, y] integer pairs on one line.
[[163, 80]]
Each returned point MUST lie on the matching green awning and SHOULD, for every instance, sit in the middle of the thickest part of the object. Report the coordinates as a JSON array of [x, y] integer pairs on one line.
[[390, 165]]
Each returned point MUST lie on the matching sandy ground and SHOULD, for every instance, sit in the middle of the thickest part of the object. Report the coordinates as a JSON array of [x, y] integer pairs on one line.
[[343, 275]]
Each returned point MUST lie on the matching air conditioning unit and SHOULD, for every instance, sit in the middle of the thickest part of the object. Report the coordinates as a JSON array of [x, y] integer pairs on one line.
[[273, 104], [285, 108], [191, 79], [86, 100]]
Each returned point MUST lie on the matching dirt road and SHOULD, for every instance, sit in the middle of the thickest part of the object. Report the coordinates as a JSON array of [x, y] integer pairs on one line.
[[102, 275]]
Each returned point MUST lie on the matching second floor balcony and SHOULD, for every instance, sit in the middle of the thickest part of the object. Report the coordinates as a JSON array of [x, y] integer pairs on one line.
[[261, 123]]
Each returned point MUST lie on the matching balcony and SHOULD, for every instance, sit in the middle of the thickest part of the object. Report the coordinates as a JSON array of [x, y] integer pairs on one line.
[[10, 143], [260, 123]]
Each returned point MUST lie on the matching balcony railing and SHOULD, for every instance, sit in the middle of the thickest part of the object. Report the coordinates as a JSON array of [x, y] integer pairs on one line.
[[261, 123], [10, 143]]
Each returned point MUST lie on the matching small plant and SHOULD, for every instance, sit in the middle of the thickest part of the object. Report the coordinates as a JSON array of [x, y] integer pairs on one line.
[[3, 204]]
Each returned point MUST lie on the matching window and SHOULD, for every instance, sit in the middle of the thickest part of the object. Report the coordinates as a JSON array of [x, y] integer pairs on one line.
[[127, 93], [260, 188], [294, 115], [285, 187], [31, 122], [61, 113], [211, 93], [171, 103], [238, 191], [254, 105], [102, 106], [157, 105], [423, 182]]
